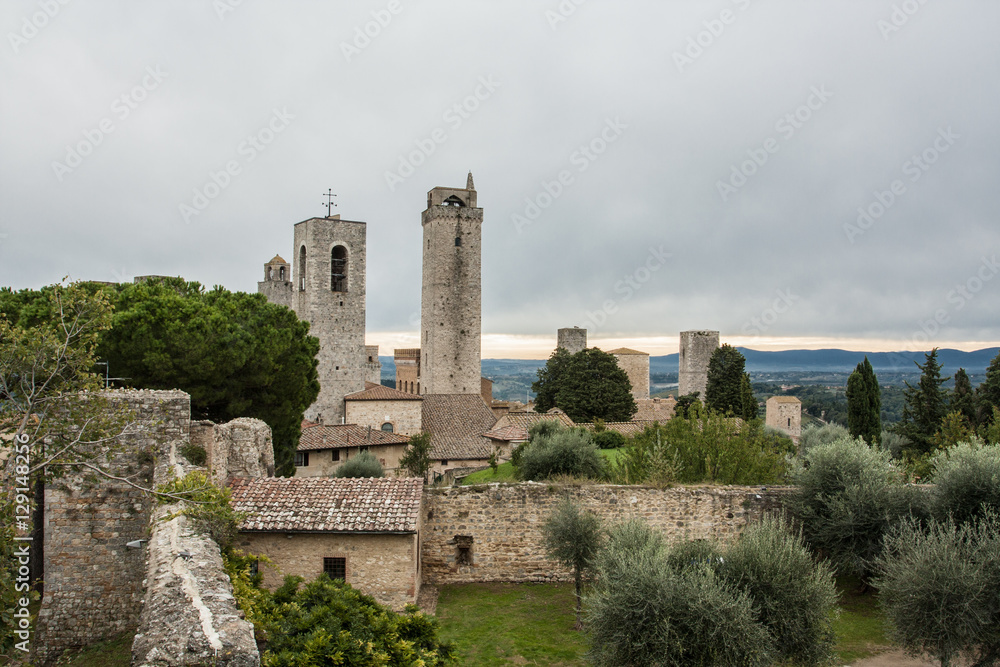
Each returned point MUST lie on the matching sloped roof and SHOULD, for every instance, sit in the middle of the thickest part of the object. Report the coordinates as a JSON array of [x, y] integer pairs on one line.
[[655, 409], [456, 423], [325, 504], [784, 399], [379, 392], [322, 436], [277, 260], [514, 426], [627, 350], [625, 428]]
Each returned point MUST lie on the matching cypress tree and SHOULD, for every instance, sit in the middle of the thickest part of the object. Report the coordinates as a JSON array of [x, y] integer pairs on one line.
[[864, 404], [925, 406]]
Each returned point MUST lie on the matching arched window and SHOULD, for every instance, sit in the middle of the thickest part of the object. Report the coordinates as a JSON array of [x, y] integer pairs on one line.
[[387, 427], [338, 269], [302, 269], [281, 274]]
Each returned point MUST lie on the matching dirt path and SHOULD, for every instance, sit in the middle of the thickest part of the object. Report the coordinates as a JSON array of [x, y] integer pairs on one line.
[[893, 659]]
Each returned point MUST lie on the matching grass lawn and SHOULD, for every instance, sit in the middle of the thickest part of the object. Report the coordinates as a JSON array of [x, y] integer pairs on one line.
[[505, 471], [505, 624], [860, 630]]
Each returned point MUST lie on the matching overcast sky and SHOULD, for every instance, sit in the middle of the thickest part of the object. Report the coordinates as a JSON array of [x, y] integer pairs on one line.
[[644, 167]]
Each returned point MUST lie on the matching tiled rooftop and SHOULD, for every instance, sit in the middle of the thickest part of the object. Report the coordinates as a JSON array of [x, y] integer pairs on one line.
[[320, 436], [514, 426], [627, 350], [379, 392], [324, 504], [457, 423]]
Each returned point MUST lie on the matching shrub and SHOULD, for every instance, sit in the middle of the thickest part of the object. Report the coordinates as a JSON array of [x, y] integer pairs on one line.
[[561, 452], [939, 588], [195, 454], [813, 436], [893, 443], [363, 465], [966, 481], [209, 507], [848, 495], [609, 439]]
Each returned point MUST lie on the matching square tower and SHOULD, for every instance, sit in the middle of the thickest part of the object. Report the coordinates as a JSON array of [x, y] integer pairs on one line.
[[328, 291], [695, 352], [451, 296]]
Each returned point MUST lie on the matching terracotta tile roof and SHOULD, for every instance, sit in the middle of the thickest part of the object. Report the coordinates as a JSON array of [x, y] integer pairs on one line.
[[784, 399], [456, 423], [514, 426], [325, 504], [379, 392], [627, 350], [655, 409], [625, 428], [320, 436], [277, 260]]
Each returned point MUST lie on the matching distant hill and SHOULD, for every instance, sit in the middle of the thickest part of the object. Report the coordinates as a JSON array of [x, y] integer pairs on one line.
[[842, 361]]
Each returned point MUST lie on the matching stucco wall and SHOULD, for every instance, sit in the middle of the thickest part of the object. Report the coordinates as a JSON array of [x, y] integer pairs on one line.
[[403, 415]]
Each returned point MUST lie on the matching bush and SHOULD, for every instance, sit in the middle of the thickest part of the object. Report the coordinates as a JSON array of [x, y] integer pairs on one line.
[[966, 481], [644, 612], [813, 436], [561, 451], [848, 495], [363, 465], [939, 588], [195, 454], [609, 439], [894, 443]]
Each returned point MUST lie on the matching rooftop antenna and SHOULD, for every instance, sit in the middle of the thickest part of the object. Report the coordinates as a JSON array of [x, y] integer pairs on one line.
[[329, 200]]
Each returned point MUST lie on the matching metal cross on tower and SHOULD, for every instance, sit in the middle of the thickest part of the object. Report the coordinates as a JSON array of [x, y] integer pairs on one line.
[[329, 200]]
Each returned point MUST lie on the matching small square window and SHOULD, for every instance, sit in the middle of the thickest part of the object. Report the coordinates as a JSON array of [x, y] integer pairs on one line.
[[336, 455], [254, 568], [335, 568], [301, 459], [458, 241]]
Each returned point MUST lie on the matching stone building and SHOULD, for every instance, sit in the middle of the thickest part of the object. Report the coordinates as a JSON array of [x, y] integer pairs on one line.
[[373, 367], [364, 531], [695, 352], [572, 339], [385, 409], [327, 289], [456, 423], [450, 305], [785, 413], [636, 366], [324, 448], [407, 369]]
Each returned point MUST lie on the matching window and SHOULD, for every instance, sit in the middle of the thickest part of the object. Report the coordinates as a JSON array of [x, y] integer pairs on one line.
[[444, 462], [336, 568], [458, 241], [336, 455], [281, 274], [463, 550], [361, 450], [338, 269], [301, 459], [387, 427], [254, 568], [302, 269], [789, 422]]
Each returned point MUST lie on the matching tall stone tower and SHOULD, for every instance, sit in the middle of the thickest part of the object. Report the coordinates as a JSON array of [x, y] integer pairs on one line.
[[277, 283], [572, 339], [636, 366], [450, 305], [696, 351], [328, 291]]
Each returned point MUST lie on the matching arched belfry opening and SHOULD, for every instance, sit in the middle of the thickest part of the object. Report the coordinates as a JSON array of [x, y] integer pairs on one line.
[[302, 269], [338, 269], [453, 201]]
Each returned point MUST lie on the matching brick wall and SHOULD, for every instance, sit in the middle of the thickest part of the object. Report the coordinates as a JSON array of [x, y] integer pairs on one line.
[[504, 523]]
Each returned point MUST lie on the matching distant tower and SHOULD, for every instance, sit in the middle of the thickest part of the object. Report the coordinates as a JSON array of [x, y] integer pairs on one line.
[[696, 351], [572, 339], [373, 367], [636, 366], [785, 413], [328, 291], [407, 369], [450, 307], [277, 283]]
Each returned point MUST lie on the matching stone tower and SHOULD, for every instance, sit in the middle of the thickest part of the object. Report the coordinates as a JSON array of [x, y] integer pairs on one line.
[[572, 339], [696, 351], [450, 304], [636, 366], [328, 291], [407, 369], [277, 283], [785, 413]]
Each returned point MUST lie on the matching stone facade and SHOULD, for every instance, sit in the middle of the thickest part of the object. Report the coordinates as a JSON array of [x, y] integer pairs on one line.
[[383, 566], [450, 307], [785, 413], [403, 415], [636, 366], [324, 462], [572, 339], [494, 532], [695, 352], [408, 369], [373, 367], [277, 283]]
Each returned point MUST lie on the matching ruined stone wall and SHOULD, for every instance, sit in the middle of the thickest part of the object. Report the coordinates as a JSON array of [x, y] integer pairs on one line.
[[572, 339], [494, 532], [696, 348], [381, 565], [241, 448], [93, 582], [403, 415]]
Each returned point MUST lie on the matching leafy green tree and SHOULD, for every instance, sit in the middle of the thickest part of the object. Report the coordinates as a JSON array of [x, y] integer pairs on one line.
[[587, 385], [966, 482], [964, 400], [685, 402], [864, 404], [363, 465], [573, 537], [926, 406], [988, 392], [236, 354], [848, 496], [417, 457], [748, 401], [953, 430], [557, 450], [938, 586], [813, 436], [609, 439], [726, 375]]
